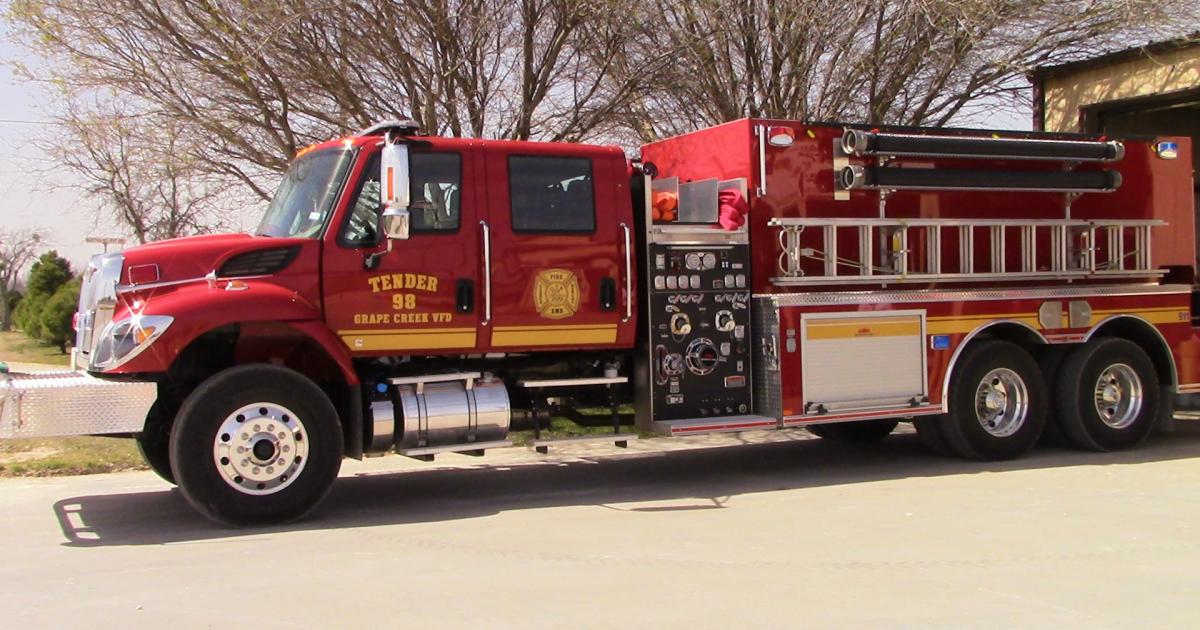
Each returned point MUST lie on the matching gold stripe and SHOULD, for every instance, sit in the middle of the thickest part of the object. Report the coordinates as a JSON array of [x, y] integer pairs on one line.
[[860, 320], [963, 318], [952, 325], [559, 327], [966, 325], [509, 337], [403, 331], [410, 340], [1159, 309], [1173, 316], [864, 329]]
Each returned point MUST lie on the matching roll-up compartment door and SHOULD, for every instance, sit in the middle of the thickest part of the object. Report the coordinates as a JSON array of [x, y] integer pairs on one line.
[[863, 360]]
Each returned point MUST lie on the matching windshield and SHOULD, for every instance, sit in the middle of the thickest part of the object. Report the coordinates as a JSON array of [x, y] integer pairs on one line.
[[305, 198]]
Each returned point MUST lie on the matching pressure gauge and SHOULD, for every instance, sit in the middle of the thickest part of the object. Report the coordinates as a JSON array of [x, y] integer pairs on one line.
[[693, 261], [710, 260]]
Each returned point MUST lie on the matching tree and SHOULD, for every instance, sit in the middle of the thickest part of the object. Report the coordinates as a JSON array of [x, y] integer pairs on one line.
[[879, 61], [140, 173], [243, 86], [17, 248], [50, 272], [55, 319], [210, 92]]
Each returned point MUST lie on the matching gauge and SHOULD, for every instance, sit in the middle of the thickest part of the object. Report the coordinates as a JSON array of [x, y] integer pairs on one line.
[[710, 260], [693, 261]]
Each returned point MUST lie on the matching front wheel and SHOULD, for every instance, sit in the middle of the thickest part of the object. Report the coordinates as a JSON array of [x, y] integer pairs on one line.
[[256, 444], [154, 442]]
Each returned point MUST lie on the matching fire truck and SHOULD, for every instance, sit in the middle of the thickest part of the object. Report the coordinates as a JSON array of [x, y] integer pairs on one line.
[[419, 295]]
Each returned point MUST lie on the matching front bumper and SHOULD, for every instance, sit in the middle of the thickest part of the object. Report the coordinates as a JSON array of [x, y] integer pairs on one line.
[[46, 404]]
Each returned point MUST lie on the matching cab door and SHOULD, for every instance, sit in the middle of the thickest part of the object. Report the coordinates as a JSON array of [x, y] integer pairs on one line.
[[557, 226], [422, 297]]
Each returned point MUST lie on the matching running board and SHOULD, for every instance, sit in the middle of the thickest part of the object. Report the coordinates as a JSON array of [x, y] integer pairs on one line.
[[693, 426], [622, 440], [475, 449]]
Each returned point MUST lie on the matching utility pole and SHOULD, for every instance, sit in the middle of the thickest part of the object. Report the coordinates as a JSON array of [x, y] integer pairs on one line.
[[106, 241]]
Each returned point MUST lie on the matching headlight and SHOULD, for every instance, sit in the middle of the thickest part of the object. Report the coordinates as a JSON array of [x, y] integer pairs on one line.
[[123, 340]]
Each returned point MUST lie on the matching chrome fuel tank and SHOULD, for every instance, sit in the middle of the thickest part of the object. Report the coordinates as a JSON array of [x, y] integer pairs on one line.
[[452, 412]]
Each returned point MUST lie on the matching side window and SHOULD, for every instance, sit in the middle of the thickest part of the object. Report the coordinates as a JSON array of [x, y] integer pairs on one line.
[[436, 182], [436, 191], [551, 194], [363, 221]]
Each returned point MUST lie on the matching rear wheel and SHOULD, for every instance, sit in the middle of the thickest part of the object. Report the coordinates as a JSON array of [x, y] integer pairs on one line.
[[256, 444], [997, 402], [1050, 361], [1108, 395], [863, 431]]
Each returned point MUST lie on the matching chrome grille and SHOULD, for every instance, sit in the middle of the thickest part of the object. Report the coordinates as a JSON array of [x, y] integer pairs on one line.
[[97, 297]]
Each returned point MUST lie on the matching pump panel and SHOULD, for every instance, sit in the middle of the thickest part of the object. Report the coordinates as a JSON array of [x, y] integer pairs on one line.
[[699, 330]]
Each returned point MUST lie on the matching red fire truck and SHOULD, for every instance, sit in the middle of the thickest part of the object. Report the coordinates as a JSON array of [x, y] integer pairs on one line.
[[415, 294]]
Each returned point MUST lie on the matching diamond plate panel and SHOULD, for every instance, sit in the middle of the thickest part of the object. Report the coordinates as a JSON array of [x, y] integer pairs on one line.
[[768, 395], [46, 404]]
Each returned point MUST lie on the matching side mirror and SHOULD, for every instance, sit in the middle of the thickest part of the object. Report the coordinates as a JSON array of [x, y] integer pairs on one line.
[[394, 176], [394, 223]]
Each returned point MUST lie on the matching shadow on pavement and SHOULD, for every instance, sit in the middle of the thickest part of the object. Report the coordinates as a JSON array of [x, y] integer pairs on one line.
[[705, 477]]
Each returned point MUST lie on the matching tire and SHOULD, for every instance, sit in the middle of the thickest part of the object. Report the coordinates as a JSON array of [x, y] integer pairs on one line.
[[861, 432], [998, 403], [929, 432], [154, 443], [289, 438], [1050, 361], [1108, 395]]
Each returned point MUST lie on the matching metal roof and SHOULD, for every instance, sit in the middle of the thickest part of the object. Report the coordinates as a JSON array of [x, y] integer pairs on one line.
[[1135, 52]]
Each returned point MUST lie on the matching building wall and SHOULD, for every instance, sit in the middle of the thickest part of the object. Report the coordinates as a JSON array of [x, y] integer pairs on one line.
[[1162, 73]]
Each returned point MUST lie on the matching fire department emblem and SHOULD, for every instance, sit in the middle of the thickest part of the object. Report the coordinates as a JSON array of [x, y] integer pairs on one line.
[[556, 294]]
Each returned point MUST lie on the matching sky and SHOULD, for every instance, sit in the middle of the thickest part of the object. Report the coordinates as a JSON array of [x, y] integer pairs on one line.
[[34, 194]]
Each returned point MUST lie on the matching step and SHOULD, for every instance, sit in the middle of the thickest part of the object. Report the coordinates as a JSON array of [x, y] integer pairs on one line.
[[692, 426], [475, 449], [622, 440], [574, 382]]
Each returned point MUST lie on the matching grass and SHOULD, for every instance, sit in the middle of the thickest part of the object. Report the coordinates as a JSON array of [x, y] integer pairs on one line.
[[16, 347], [43, 457], [47, 457], [565, 428]]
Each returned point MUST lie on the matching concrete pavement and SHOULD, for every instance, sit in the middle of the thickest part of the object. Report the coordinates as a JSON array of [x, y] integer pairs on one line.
[[697, 532]]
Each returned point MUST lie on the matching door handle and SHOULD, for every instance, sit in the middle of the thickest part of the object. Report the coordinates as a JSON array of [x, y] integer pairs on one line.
[[608, 294], [487, 273], [464, 291], [628, 274]]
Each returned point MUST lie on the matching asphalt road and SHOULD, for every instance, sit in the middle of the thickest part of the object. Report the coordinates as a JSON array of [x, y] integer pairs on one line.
[[786, 532]]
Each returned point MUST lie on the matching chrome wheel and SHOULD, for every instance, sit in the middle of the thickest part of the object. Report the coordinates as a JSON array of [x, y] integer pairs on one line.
[[1118, 396], [260, 448], [1001, 402]]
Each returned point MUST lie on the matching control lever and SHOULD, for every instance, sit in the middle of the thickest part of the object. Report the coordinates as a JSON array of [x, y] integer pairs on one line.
[[666, 365]]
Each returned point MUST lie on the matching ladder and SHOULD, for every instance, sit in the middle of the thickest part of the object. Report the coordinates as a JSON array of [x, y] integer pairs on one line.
[[948, 250]]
